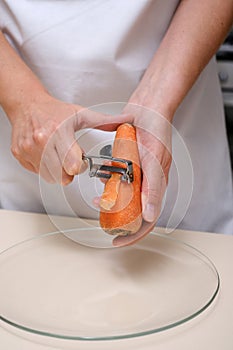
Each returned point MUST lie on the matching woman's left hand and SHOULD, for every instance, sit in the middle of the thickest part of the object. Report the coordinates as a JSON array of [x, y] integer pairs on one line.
[[154, 144]]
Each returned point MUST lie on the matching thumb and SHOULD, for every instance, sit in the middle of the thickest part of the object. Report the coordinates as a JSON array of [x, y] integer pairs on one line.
[[153, 188], [86, 118]]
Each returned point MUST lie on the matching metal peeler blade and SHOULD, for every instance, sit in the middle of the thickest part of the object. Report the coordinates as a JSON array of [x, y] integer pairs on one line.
[[98, 169]]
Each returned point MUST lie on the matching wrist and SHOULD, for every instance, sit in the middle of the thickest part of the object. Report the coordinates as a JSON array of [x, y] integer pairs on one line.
[[156, 94], [19, 86], [152, 101], [157, 108], [23, 99]]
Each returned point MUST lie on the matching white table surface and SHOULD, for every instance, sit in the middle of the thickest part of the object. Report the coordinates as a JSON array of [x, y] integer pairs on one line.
[[211, 330]]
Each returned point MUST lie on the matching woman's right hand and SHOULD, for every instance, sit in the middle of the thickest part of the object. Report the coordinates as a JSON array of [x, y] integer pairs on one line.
[[43, 127], [43, 136]]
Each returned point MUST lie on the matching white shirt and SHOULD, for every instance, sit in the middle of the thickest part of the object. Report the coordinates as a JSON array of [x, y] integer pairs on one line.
[[94, 53]]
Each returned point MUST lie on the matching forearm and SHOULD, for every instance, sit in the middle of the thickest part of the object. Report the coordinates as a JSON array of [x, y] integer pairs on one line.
[[194, 35], [18, 84]]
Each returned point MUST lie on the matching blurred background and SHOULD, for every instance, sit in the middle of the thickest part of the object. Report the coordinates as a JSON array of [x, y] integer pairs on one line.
[[225, 69]]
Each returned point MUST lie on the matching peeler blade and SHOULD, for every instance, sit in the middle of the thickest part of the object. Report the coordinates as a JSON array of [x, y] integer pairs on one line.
[[101, 170]]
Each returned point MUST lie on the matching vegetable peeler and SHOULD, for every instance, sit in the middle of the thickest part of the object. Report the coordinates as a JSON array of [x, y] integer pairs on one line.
[[101, 170]]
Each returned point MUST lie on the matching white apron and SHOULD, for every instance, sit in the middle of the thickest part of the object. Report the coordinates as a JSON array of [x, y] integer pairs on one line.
[[95, 52]]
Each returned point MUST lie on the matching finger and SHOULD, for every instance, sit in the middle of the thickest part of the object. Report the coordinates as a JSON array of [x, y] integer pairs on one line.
[[73, 162], [49, 177], [91, 119], [51, 168], [27, 165], [96, 202], [153, 188], [69, 152], [46, 175], [26, 153], [22, 158]]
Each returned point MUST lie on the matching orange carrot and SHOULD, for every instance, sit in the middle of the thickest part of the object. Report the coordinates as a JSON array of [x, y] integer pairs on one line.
[[121, 210]]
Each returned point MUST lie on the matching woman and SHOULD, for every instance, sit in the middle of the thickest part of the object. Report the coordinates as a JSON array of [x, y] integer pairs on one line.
[[155, 58]]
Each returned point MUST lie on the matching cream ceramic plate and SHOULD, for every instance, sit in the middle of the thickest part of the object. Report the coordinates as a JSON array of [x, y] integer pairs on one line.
[[52, 286]]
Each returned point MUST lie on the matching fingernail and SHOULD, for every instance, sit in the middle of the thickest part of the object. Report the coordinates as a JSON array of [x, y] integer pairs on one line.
[[96, 202], [150, 213]]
